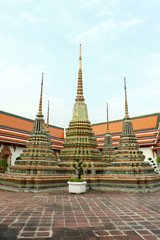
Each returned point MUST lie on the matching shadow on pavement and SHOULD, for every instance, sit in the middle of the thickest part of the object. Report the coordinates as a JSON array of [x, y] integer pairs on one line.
[[8, 233]]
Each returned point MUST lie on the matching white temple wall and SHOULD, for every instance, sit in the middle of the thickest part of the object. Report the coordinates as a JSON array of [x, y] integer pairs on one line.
[[15, 153], [148, 153], [12, 151]]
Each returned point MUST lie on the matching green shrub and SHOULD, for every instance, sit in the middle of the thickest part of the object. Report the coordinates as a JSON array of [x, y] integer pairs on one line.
[[158, 160], [76, 180], [4, 164]]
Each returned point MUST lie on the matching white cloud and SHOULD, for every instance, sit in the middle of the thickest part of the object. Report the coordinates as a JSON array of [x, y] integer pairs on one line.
[[19, 20], [19, 1], [12, 20], [18, 92], [30, 18], [105, 11], [60, 112], [3, 63], [89, 3], [107, 79], [111, 27], [130, 23]]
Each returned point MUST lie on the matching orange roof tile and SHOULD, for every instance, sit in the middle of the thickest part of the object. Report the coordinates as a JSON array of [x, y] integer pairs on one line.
[[24, 124], [140, 123], [15, 122]]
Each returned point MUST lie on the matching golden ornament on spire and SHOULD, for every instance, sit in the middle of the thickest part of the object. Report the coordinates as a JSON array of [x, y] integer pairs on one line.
[[80, 58], [80, 83], [40, 101], [126, 104]]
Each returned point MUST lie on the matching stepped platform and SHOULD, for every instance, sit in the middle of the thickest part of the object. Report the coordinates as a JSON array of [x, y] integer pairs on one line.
[[111, 182]]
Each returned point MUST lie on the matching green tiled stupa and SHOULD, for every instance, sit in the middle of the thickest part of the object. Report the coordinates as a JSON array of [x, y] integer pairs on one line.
[[38, 155], [108, 152], [128, 153], [80, 143]]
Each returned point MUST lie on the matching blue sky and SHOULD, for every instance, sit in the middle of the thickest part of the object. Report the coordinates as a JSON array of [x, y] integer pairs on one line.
[[120, 38]]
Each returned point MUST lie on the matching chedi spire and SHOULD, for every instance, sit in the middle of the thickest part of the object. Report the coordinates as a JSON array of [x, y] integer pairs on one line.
[[108, 151], [107, 119], [80, 97], [48, 116], [126, 103], [40, 101]]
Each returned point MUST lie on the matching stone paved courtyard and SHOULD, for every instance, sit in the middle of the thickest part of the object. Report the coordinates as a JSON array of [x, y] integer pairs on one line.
[[89, 216]]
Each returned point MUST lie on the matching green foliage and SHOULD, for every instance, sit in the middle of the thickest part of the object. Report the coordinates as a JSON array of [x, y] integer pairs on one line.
[[79, 167], [4, 164], [18, 158], [76, 180], [158, 160]]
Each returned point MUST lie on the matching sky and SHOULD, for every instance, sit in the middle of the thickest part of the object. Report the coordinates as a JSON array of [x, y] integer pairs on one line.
[[120, 38]]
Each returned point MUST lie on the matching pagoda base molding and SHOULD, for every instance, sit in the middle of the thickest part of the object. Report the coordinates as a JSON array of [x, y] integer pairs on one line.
[[109, 182]]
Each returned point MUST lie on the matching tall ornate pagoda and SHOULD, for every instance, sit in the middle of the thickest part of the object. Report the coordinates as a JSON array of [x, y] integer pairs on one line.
[[80, 143], [38, 153], [128, 153], [108, 152]]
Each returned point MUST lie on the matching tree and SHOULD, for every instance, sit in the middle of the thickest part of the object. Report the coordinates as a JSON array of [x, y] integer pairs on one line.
[[79, 167]]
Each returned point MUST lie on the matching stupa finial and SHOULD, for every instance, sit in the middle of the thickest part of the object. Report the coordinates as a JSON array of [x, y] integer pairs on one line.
[[107, 118], [80, 57], [40, 101], [48, 116], [80, 83], [126, 104]]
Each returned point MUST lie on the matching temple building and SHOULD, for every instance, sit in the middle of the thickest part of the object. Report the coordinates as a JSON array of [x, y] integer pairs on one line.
[[41, 157], [15, 131], [108, 151], [80, 143]]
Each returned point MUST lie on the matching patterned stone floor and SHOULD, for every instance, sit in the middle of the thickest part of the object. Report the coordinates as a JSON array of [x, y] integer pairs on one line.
[[89, 216]]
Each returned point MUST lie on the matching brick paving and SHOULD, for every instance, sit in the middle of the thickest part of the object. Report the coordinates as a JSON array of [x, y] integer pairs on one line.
[[90, 216]]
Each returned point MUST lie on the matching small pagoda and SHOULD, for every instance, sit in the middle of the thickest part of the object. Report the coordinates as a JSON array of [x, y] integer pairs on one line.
[[108, 151], [38, 156], [128, 153], [80, 143]]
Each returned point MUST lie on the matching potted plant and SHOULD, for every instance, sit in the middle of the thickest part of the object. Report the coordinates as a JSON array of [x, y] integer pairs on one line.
[[77, 185], [3, 165]]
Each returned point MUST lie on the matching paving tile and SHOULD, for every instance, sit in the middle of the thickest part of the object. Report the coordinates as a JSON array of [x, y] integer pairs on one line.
[[156, 231], [101, 233], [120, 237], [27, 234], [115, 232], [43, 234], [89, 216], [150, 237], [143, 232], [132, 235]]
